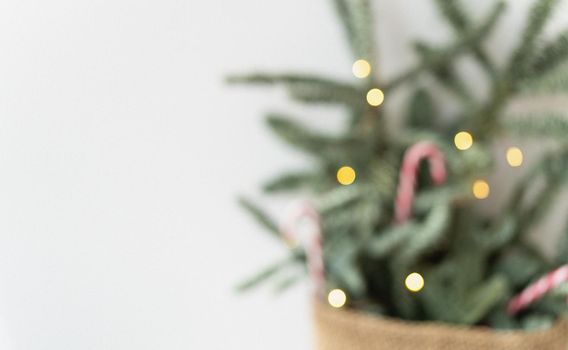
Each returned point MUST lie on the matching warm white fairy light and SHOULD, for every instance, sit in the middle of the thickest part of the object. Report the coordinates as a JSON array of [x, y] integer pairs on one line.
[[414, 282], [361, 69], [514, 156], [463, 140], [375, 97], [337, 298], [481, 189]]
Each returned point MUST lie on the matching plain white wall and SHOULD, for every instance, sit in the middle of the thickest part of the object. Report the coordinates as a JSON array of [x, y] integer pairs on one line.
[[122, 152]]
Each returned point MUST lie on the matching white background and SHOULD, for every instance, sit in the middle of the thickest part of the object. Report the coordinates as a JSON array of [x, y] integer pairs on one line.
[[122, 152]]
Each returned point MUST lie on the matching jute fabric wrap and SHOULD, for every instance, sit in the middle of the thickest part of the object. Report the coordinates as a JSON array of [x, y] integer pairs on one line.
[[349, 330]]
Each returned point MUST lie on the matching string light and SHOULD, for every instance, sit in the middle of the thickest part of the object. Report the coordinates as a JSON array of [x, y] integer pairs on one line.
[[463, 140], [514, 156], [375, 97], [346, 175], [361, 69], [414, 282], [337, 298], [481, 189]]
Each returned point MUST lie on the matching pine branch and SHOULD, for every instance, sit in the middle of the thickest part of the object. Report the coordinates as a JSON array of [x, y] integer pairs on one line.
[[449, 53], [457, 17], [339, 198], [295, 257], [387, 241], [554, 168], [437, 299], [547, 126], [426, 237], [422, 113], [554, 80], [343, 269], [519, 266], [355, 208], [295, 181], [357, 219], [443, 303], [552, 55], [454, 13], [344, 13], [541, 206], [369, 213], [446, 75], [308, 89], [334, 150], [287, 283], [519, 63], [498, 236], [482, 300], [484, 120], [431, 197], [261, 217], [356, 16]]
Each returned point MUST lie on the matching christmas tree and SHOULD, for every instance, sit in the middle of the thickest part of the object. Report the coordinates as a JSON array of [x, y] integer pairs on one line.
[[432, 256]]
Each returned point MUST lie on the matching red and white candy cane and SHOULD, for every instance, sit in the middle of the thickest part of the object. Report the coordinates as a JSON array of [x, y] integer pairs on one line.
[[538, 289], [310, 239], [409, 172]]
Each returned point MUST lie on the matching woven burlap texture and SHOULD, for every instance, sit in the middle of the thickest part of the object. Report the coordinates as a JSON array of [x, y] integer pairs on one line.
[[349, 330]]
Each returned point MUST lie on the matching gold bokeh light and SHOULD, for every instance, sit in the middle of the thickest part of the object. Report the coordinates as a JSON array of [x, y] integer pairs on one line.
[[375, 97], [361, 69], [514, 156], [481, 189], [346, 175], [337, 298], [414, 282], [463, 140]]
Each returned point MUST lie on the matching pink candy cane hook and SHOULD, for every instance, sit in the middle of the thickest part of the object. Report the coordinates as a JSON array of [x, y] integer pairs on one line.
[[311, 241], [409, 171], [538, 289]]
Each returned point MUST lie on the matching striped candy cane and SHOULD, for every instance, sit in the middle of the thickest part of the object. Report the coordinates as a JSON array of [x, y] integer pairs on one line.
[[310, 239], [409, 171], [538, 289]]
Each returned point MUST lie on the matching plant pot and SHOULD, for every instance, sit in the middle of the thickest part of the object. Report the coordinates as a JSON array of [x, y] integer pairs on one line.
[[344, 329]]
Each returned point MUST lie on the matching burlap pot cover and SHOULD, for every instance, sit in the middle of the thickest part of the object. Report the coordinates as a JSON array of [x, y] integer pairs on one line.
[[349, 330]]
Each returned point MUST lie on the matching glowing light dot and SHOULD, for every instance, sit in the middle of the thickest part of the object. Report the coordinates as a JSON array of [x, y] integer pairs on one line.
[[463, 140], [481, 189], [361, 69], [375, 97], [337, 298], [346, 175], [514, 156], [414, 282]]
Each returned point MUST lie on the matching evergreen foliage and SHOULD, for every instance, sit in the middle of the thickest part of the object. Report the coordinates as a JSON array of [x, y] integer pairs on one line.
[[472, 264]]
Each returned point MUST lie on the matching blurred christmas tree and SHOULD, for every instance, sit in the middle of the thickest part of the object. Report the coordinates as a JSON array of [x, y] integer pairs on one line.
[[447, 262]]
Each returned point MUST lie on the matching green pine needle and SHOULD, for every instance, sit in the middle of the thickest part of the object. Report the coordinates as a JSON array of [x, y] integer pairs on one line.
[[261, 217], [546, 126], [307, 88]]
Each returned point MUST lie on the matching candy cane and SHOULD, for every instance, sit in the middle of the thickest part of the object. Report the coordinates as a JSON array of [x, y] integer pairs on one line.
[[311, 240], [538, 289], [409, 171]]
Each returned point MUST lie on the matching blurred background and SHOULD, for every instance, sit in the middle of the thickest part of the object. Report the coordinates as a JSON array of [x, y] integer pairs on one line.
[[122, 152]]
